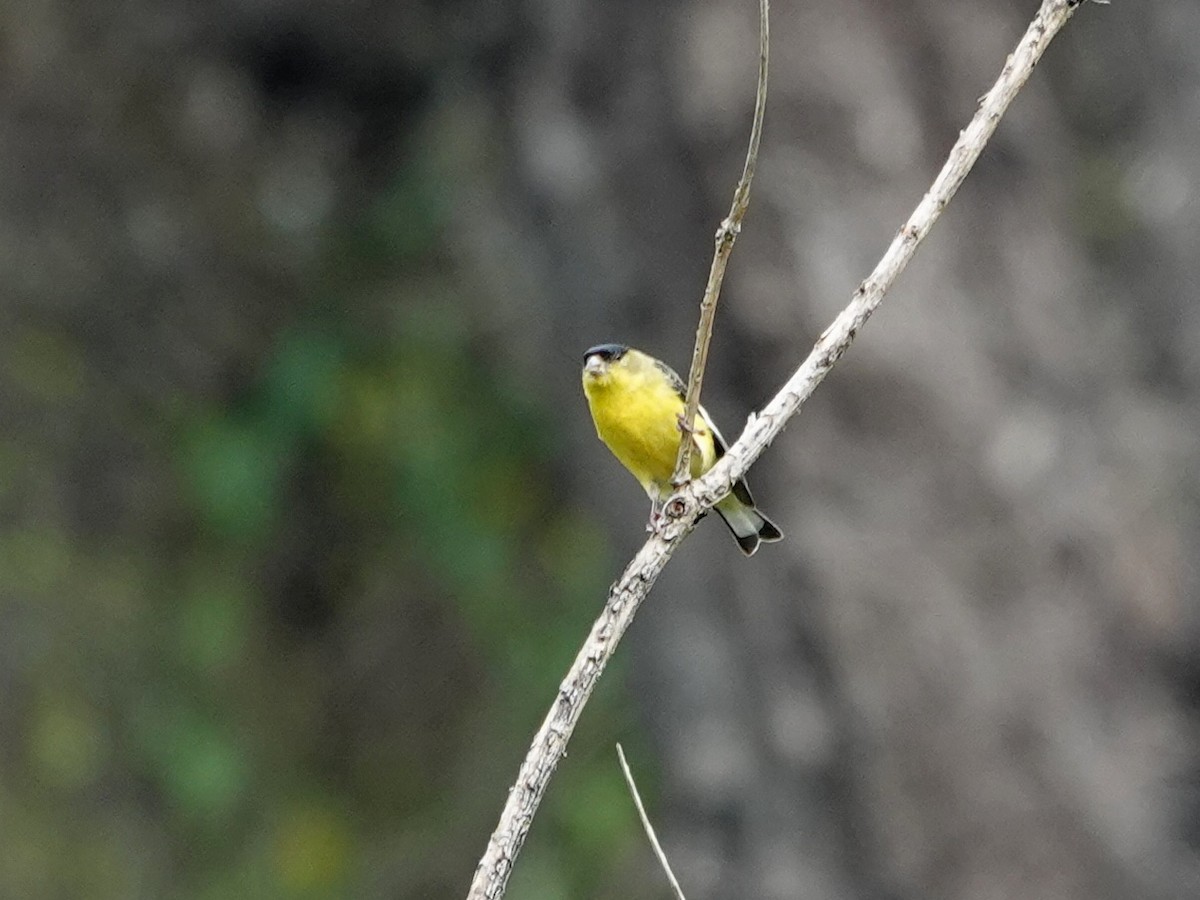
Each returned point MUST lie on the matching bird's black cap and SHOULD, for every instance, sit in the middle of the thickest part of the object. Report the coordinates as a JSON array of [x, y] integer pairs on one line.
[[608, 352]]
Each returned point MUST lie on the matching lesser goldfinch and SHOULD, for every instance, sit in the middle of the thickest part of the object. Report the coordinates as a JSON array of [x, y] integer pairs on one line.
[[637, 403]]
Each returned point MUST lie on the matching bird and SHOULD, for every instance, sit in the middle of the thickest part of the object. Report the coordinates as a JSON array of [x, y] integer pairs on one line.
[[637, 404]]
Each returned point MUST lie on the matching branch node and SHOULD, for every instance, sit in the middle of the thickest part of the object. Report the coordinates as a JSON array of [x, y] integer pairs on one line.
[[678, 507]]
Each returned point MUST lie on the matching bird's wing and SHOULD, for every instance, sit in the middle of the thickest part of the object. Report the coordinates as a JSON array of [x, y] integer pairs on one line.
[[681, 389], [676, 382], [740, 489], [719, 445]]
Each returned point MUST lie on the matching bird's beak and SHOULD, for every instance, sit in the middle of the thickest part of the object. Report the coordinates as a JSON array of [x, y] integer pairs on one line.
[[594, 365]]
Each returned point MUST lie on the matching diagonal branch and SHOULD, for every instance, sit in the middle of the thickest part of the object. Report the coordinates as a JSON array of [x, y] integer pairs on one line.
[[649, 829], [726, 234], [624, 597], [763, 428]]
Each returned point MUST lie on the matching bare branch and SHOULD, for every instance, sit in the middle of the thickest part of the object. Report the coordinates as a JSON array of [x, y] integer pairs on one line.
[[763, 428], [624, 597], [726, 234], [550, 742], [658, 850]]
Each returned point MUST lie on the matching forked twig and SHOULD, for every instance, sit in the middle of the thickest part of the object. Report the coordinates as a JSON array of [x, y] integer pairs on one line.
[[658, 850], [726, 235], [627, 593]]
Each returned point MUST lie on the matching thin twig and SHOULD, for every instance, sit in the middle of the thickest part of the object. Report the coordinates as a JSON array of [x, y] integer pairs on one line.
[[726, 235], [637, 801], [626, 594]]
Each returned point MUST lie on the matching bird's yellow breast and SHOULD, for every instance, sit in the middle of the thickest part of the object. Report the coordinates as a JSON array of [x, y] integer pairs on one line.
[[637, 416]]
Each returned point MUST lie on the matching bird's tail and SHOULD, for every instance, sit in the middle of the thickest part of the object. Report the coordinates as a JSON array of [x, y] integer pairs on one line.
[[749, 526]]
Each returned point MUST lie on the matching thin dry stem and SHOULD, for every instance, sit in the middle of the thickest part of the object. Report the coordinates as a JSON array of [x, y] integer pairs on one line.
[[625, 595], [726, 235], [649, 829]]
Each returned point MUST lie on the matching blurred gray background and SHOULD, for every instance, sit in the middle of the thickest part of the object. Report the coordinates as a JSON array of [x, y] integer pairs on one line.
[[302, 515]]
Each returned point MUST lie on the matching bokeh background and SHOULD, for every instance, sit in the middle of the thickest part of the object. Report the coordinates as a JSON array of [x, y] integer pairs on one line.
[[302, 516]]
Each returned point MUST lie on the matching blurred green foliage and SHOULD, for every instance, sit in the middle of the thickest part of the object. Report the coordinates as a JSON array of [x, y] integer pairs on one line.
[[313, 674]]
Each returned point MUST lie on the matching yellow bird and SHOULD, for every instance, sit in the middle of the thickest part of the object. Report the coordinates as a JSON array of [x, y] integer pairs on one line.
[[637, 404]]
